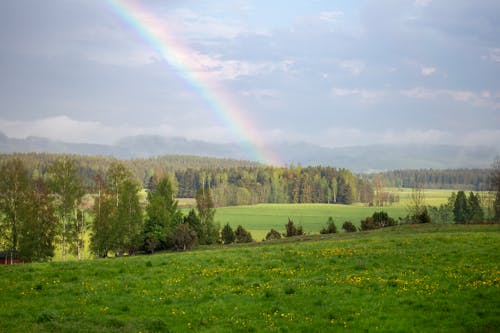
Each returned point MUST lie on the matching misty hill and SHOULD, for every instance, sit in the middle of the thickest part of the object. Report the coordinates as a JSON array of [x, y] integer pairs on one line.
[[358, 158]]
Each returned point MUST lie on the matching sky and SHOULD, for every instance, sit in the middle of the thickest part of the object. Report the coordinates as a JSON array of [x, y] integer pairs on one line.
[[333, 73]]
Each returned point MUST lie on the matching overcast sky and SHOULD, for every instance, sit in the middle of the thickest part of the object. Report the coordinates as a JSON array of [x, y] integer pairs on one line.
[[335, 73]]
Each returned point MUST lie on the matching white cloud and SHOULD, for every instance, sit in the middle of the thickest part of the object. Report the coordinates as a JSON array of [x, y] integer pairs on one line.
[[493, 55], [344, 137], [427, 71], [483, 98], [364, 94], [330, 16], [355, 67], [63, 128], [422, 3]]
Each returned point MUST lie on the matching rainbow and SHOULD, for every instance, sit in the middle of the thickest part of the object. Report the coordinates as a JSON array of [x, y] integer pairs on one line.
[[183, 60]]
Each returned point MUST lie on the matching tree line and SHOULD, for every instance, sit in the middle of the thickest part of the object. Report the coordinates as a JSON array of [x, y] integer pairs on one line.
[[453, 179], [231, 182], [37, 214]]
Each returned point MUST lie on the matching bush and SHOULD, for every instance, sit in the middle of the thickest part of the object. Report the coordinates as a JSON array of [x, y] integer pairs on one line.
[[243, 236], [228, 236], [292, 230], [377, 220], [423, 217], [330, 228], [273, 234], [183, 237], [349, 227]]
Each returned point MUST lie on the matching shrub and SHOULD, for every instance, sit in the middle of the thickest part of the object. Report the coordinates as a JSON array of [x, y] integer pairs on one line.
[[183, 237], [377, 220], [228, 236], [273, 234], [330, 228], [349, 227], [292, 230], [243, 236]]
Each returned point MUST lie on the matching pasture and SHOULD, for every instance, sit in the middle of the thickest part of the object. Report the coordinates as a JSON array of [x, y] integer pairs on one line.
[[409, 278], [259, 219]]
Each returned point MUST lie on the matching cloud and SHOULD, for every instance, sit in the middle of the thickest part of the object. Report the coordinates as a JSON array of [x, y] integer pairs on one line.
[[483, 98], [364, 94], [64, 128], [422, 3], [344, 137], [427, 71], [493, 55], [330, 16], [355, 67]]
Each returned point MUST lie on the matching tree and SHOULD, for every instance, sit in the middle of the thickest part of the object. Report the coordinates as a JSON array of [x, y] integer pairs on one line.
[[183, 237], [209, 232], [37, 232], [476, 213], [292, 230], [227, 233], [102, 228], [461, 209], [67, 186], [242, 236], [14, 201], [163, 216], [129, 219], [330, 228], [417, 211], [495, 188]]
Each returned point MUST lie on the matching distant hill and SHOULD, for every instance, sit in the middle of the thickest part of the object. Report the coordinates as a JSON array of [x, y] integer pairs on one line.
[[357, 158]]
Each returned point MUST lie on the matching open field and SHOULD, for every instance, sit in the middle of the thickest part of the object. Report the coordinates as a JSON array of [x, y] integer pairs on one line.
[[259, 219], [406, 278]]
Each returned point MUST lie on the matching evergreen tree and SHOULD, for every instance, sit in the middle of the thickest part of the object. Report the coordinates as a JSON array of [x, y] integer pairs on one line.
[[461, 209], [227, 233], [242, 236], [476, 213], [163, 216]]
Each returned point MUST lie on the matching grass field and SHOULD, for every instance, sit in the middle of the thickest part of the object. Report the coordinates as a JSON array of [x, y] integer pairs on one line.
[[402, 279], [259, 219]]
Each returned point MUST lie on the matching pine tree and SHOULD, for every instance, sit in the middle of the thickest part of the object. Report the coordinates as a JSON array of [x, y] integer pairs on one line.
[[461, 209]]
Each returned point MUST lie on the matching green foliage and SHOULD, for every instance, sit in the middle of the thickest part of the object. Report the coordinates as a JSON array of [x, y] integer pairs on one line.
[[68, 189], [14, 200], [208, 232], [460, 210], [183, 237], [476, 213], [349, 227], [273, 235], [227, 234], [242, 236], [292, 230], [38, 230], [163, 216], [330, 228], [377, 220], [27, 223]]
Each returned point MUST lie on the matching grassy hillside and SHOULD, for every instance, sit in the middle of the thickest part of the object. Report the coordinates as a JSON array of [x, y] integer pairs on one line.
[[407, 278]]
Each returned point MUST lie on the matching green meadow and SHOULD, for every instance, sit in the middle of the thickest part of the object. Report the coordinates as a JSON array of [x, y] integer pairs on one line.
[[410, 278], [259, 219]]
